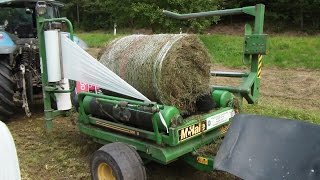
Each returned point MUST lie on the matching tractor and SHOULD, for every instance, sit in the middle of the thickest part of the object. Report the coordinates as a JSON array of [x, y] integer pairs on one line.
[[20, 72]]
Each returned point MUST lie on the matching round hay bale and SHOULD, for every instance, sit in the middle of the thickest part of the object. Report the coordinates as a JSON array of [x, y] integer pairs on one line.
[[173, 69]]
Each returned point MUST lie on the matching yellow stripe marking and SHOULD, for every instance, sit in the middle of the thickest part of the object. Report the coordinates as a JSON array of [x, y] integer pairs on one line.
[[259, 66]]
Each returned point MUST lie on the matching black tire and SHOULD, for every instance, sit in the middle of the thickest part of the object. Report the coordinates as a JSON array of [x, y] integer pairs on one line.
[[121, 160], [6, 89]]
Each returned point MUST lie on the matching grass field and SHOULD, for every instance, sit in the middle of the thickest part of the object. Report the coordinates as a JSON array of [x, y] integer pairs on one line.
[[283, 51], [97, 39]]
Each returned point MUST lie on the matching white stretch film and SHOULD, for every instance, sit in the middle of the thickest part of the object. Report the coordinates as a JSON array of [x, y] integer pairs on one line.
[[9, 164], [53, 55], [80, 66], [63, 99]]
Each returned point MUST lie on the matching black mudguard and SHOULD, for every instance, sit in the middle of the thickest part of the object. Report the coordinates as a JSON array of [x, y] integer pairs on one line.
[[258, 147]]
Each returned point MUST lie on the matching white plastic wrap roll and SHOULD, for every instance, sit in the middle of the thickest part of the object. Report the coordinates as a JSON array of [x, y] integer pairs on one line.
[[63, 99], [80, 66], [9, 164], [53, 55]]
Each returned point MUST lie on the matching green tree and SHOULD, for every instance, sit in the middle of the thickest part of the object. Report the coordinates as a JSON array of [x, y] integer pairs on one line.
[[302, 14], [147, 12], [102, 14]]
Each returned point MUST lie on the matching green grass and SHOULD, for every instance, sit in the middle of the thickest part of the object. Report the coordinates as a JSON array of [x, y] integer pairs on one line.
[[97, 39], [279, 111], [282, 51]]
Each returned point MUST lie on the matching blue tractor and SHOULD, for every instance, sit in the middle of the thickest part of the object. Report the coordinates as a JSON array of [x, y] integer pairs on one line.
[[20, 69]]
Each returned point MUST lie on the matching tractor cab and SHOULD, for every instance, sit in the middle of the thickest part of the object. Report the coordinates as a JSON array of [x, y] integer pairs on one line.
[[18, 17]]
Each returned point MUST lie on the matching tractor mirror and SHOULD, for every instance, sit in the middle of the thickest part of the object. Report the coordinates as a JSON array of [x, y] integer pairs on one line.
[[5, 23], [29, 11]]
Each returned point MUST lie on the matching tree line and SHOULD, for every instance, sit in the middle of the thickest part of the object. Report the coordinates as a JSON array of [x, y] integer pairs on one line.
[[104, 14], [301, 15]]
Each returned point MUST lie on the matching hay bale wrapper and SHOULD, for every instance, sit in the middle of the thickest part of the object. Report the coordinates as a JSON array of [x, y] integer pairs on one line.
[[132, 130]]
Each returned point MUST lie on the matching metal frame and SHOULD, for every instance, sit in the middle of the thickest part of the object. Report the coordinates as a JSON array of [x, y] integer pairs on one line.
[[254, 48], [157, 136], [49, 88], [157, 145]]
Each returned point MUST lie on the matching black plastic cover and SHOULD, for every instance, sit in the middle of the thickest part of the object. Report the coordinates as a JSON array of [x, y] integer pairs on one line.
[[258, 147]]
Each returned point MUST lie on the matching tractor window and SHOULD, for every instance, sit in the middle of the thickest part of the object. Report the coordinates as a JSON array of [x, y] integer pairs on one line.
[[15, 15], [52, 12], [18, 20]]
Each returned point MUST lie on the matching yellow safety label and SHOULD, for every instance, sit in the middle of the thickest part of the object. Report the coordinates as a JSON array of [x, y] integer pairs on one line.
[[202, 160]]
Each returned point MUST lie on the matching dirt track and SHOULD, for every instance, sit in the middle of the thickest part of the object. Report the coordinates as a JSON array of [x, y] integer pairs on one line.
[[65, 154], [293, 88]]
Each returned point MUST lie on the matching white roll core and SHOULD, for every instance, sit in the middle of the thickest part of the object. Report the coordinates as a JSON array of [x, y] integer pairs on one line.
[[53, 55], [63, 99]]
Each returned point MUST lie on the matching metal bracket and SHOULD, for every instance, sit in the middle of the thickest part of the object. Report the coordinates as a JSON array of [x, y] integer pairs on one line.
[[25, 104], [255, 44]]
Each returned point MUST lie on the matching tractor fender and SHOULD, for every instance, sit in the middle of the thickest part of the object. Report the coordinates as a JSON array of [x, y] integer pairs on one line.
[[7, 46]]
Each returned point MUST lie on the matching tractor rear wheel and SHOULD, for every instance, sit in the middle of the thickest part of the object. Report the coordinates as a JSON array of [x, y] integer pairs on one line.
[[117, 161], [6, 89]]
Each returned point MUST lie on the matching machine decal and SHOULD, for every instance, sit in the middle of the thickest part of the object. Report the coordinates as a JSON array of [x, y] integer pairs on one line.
[[192, 130], [83, 87], [202, 160], [219, 119], [259, 66], [117, 128]]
